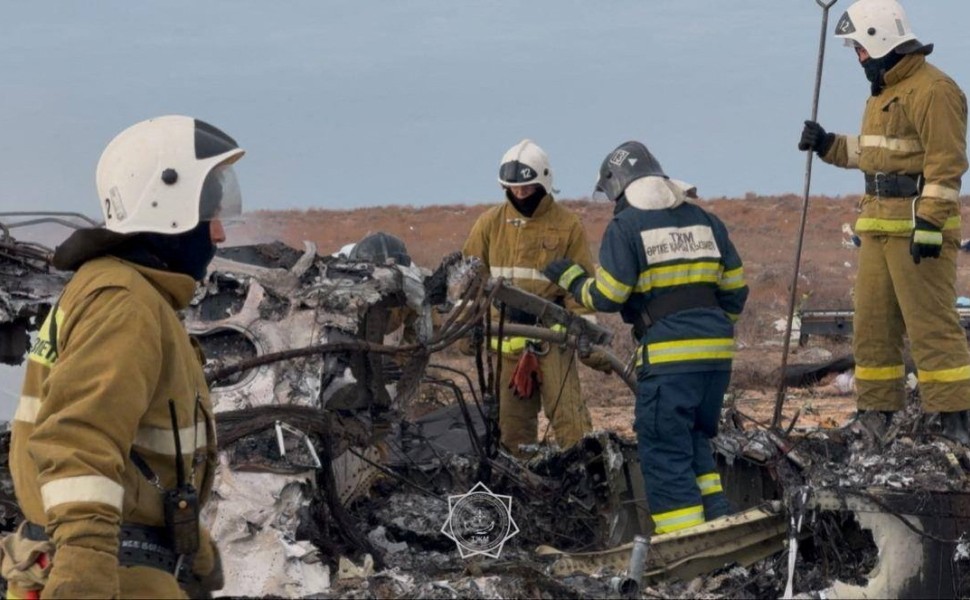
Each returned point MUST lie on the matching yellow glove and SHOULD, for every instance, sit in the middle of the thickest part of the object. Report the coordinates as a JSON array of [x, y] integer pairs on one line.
[[598, 361], [80, 572]]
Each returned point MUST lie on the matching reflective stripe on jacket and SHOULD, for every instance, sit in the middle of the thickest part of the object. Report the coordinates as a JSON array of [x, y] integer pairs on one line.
[[98, 382], [647, 253], [916, 125]]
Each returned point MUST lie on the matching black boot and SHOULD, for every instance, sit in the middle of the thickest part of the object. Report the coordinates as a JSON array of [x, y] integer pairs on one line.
[[956, 426]]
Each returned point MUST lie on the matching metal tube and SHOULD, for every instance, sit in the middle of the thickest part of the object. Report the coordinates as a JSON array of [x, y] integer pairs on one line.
[[780, 398], [638, 558], [561, 337]]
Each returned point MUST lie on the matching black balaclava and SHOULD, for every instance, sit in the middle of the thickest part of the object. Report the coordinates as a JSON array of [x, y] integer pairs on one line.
[[530, 203], [876, 69], [188, 253], [620, 205]]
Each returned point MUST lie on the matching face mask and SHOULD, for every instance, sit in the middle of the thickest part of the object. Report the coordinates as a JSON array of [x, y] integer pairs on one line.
[[876, 69], [188, 253]]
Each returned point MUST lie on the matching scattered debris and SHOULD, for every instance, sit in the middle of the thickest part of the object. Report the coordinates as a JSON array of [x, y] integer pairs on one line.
[[329, 485]]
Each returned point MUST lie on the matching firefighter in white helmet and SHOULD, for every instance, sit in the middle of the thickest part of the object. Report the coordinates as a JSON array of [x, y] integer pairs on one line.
[[912, 151], [515, 240], [113, 444]]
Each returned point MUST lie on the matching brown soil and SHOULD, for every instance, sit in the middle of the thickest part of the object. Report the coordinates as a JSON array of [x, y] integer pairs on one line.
[[765, 231]]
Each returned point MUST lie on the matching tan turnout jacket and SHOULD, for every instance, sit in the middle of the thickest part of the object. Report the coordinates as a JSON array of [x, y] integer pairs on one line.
[[518, 248], [103, 388], [917, 124]]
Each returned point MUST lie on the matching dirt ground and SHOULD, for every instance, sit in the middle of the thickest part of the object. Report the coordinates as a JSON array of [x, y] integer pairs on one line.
[[765, 231]]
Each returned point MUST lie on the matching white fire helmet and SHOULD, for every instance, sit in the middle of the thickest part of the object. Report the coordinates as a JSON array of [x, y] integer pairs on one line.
[[525, 164], [879, 26], [166, 175]]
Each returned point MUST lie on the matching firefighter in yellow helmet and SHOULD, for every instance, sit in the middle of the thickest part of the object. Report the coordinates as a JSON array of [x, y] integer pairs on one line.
[[515, 240], [912, 151], [113, 444]]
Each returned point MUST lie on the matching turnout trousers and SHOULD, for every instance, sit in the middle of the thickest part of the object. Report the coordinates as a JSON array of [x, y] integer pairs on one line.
[[676, 417], [894, 297], [558, 396]]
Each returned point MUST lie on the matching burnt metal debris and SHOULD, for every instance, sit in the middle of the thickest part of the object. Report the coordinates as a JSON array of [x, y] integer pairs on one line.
[[335, 475]]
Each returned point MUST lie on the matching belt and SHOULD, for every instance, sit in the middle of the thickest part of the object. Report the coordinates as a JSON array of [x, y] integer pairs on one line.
[[894, 185], [139, 546], [674, 301]]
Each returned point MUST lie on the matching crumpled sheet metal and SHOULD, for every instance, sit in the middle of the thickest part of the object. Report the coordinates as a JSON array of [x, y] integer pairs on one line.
[[26, 294], [286, 305], [252, 518]]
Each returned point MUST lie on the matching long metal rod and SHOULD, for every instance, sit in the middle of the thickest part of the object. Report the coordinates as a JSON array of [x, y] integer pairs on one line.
[[780, 399]]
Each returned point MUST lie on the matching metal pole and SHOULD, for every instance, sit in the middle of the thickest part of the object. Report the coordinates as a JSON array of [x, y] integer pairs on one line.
[[780, 399]]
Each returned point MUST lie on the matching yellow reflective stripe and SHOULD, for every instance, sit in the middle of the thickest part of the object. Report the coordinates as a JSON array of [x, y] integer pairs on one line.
[[43, 352], [898, 225], [570, 275], [935, 190], [705, 349], [27, 409], [585, 296], [709, 483], [85, 488], [732, 280], [854, 151], [944, 375], [162, 441], [699, 272], [676, 520], [880, 373], [509, 345], [888, 143], [614, 290], [517, 273]]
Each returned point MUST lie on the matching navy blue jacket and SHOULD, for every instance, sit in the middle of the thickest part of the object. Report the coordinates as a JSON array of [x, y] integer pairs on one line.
[[647, 253]]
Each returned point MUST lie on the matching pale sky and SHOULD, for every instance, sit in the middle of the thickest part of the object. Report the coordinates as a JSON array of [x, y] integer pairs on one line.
[[343, 104], [360, 103]]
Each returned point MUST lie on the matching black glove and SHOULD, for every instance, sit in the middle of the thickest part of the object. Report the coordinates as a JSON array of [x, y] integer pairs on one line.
[[926, 242], [564, 273], [436, 285], [815, 138]]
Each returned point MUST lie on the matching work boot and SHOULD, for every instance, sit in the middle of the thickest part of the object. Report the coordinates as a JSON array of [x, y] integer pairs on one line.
[[955, 426], [872, 428]]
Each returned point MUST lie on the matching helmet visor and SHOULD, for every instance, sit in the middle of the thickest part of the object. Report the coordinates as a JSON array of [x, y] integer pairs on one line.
[[221, 198], [515, 173], [599, 195]]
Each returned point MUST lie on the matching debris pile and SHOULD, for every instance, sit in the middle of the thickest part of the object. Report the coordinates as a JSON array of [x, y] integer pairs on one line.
[[331, 486]]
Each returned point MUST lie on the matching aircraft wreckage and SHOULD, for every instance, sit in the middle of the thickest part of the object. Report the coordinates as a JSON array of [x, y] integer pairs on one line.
[[332, 484]]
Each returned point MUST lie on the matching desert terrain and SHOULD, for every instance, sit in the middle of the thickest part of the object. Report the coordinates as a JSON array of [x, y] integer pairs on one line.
[[764, 230]]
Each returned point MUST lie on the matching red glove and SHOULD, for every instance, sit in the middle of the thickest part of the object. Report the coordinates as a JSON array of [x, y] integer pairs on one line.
[[527, 375]]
